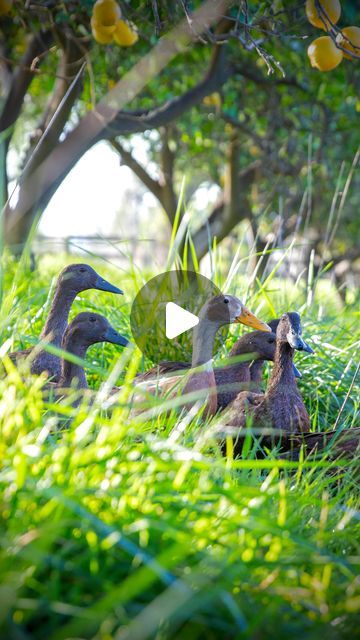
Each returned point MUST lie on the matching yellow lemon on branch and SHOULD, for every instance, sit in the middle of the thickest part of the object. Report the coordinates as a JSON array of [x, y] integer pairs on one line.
[[351, 41], [324, 54], [323, 19], [125, 34]]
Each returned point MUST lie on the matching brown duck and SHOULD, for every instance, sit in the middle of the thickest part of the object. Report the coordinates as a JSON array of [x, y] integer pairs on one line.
[[71, 281], [86, 329], [281, 407], [231, 378], [259, 346], [257, 366], [344, 443], [218, 311]]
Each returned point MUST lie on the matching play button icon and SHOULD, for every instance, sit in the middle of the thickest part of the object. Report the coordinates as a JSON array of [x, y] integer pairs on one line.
[[165, 313], [178, 320]]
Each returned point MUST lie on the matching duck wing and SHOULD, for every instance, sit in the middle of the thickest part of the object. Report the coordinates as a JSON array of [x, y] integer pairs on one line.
[[15, 356], [163, 368], [43, 362], [347, 441], [243, 405]]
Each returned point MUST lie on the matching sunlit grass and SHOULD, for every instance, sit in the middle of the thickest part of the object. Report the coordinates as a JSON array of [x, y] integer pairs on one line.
[[121, 526]]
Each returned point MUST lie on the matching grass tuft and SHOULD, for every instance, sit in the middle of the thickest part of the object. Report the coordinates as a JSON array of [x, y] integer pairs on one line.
[[132, 527]]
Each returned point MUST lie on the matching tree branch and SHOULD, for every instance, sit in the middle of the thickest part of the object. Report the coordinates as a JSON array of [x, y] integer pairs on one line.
[[260, 141], [233, 207], [93, 127], [127, 122], [56, 125], [72, 59], [164, 190], [18, 224], [22, 79], [251, 74]]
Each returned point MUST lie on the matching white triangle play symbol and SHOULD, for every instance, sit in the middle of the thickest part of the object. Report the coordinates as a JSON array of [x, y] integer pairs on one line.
[[178, 320]]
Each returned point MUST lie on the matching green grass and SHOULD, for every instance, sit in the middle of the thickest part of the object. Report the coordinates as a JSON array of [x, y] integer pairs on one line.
[[126, 528]]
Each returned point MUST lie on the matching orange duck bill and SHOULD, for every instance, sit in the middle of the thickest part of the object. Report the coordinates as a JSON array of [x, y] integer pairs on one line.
[[248, 318]]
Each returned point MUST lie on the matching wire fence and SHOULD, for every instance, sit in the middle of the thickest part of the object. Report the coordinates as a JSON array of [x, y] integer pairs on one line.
[[112, 247]]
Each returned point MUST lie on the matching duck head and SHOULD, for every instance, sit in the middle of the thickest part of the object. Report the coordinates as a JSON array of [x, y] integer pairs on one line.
[[225, 309], [289, 330], [89, 328], [80, 277], [262, 344], [274, 325]]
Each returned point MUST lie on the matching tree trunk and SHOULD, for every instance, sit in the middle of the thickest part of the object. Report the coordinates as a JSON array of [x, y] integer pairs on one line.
[[235, 205], [17, 84], [66, 91], [169, 199], [40, 181]]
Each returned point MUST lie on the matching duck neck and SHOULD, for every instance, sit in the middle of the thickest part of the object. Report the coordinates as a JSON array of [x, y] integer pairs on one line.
[[71, 371], [282, 373], [57, 319], [203, 343], [241, 370], [256, 372]]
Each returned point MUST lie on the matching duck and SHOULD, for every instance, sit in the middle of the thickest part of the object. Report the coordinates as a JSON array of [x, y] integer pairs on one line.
[[257, 366], [200, 377], [86, 329], [281, 407], [239, 374], [71, 281], [345, 442], [259, 346]]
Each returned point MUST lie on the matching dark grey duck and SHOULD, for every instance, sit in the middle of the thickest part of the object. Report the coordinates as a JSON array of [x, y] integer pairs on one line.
[[72, 280], [86, 329]]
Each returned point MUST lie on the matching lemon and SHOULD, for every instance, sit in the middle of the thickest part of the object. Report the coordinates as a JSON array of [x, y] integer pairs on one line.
[[324, 54], [125, 34], [101, 35], [352, 34], [332, 8], [106, 13]]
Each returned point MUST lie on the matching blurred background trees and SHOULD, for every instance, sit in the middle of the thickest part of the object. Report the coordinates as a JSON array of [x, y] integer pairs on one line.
[[240, 113]]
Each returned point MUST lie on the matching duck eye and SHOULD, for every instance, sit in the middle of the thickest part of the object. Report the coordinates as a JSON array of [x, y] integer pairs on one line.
[[271, 340], [92, 319], [82, 269], [226, 300]]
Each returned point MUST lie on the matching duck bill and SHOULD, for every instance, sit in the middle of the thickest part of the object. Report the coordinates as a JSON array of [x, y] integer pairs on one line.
[[104, 285], [116, 338], [296, 342], [248, 318], [296, 372], [307, 348]]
